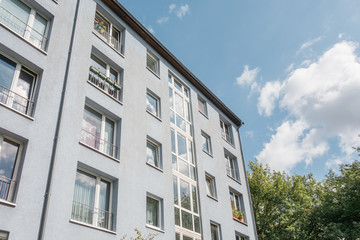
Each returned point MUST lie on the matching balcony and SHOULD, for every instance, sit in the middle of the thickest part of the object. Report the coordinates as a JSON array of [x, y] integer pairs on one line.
[[99, 80], [15, 101], [92, 216], [7, 187], [112, 41], [94, 141], [21, 28]]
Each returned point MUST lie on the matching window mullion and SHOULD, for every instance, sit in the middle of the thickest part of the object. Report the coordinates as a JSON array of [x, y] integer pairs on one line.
[[13, 85]]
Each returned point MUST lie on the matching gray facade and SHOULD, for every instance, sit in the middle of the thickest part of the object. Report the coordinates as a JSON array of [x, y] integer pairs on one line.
[[92, 153]]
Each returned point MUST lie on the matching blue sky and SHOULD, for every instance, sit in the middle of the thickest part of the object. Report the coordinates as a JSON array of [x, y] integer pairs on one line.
[[289, 69]]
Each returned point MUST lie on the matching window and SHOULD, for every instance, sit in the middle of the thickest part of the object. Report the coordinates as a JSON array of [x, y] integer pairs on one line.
[[91, 202], [152, 104], [24, 21], [215, 231], [181, 236], [98, 132], [153, 212], [4, 235], [210, 186], [10, 153], [105, 77], [152, 63], [153, 151], [226, 131], [202, 106], [17, 84], [206, 143], [238, 237], [237, 206], [232, 166], [109, 32]]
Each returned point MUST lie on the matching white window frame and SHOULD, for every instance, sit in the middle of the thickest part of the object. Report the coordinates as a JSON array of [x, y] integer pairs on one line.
[[96, 198], [157, 107], [226, 132], [115, 153], [10, 98], [238, 203], [4, 235], [231, 171], [159, 212], [16, 166], [240, 237], [207, 143], [210, 186], [29, 27], [202, 104], [218, 232], [156, 62], [157, 147]]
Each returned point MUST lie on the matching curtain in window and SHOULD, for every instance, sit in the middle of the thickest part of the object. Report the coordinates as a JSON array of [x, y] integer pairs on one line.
[[152, 211], [23, 91], [104, 215], [7, 71], [91, 126], [38, 30], [109, 147]]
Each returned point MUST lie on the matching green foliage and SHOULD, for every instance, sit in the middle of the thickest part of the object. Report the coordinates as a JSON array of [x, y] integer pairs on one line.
[[139, 236]]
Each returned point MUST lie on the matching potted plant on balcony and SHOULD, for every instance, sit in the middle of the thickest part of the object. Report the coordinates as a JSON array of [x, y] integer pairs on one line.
[[94, 70], [238, 214]]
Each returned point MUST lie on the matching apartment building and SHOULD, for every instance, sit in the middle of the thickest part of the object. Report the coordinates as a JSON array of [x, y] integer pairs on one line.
[[103, 130]]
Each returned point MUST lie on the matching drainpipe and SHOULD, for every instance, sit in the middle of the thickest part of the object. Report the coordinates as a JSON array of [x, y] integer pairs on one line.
[[247, 183], [57, 129]]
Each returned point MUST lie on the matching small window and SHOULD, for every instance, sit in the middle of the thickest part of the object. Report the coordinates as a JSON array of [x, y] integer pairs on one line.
[[206, 143], [98, 132], [210, 186], [10, 153], [237, 206], [24, 21], [239, 237], [152, 104], [215, 231], [153, 153], [153, 212], [4, 235], [202, 106], [152, 63], [232, 169], [226, 131], [92, 200]]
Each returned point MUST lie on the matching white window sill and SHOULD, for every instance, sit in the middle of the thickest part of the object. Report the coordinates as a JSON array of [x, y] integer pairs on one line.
[[16, 111], [230, 143], [153, 72], [92, 226], [104, 40], [208, 153], [154, 228], [237, 220], [154, 115], [234, 179], [117, 100], [10, 204], [205, 115], [94, 149], [213, 198], [155, 167]]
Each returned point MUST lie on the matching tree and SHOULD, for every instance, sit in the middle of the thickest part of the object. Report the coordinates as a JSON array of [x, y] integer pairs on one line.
[[139, 236]]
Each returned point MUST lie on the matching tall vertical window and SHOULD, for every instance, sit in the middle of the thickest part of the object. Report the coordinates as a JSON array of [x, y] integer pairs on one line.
[[152, 63], [4, 235], [111, 34], [237, 206], [153, 152], [10, 152], [153, 212], [210, 186], [91, 202], [153, 104], [25, 21], [206, 143], [98, 132], [202, 106], [232, 169], [238, 237], [105, 77], [17, 85], [226, 131], [215, 231]]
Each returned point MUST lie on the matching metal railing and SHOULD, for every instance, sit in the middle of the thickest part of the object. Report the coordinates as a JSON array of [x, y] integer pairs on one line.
[[226, 136], [231, 172], [91, 215], [94, 141], [7, 187], [18, 26], [107, 86], [15, 101], [109, 39]]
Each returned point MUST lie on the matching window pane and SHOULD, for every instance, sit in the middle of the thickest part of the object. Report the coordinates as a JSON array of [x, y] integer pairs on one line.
[[205, 142], [21, 11], [103, 209], [8, 154], [180, 122], [171, 98], [91, 126], [101, 25], [192, 173], [186, 220], [214, 232], [98, 64], [174, 162], [173, 144], [151, 104], [181, 146], [23, 90], [194, 197], [38, 31], [109, 147], [185, 194], [190, 152], [152, 211], [187, 110], [114, 75], [175, 188], [172, 116], [178, 85], [151, 154], [179, 104], [197, 224], [202, 106], [184, 167], [177, 236], [177, 216], [7, 70], [187, 238], [152, 63]]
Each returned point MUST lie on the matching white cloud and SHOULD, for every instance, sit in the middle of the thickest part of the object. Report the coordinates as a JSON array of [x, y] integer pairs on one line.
[[172, 7], [268, 96], [309, 43], [162, 20], [249, 134], [248, 76], [290, 67], [323, 98], [340, 35], [182, 11], [151, 30]]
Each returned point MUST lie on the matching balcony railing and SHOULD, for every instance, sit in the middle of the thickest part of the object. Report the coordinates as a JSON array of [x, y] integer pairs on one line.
[[15, 101], [93, 216], [231, 172], [226, 136], [18, 26], [94, 141], [104, 83], [7, 187], [109, 39]]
